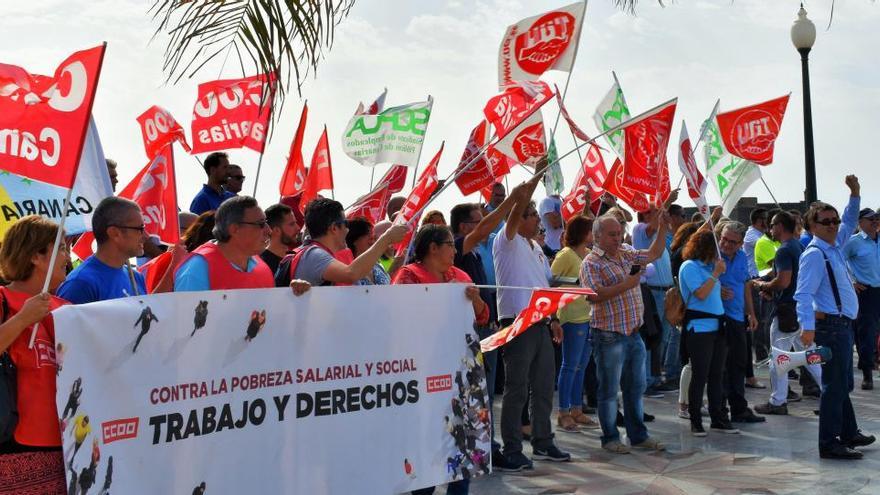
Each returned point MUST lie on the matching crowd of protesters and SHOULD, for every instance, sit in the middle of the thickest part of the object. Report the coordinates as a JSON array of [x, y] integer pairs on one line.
[[811, 279]]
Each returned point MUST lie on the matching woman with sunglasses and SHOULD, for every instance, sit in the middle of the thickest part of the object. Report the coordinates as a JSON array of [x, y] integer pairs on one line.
[[30, 457], [434, 254]]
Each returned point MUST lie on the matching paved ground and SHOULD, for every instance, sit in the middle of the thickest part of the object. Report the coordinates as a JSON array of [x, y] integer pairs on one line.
[[779, 456]]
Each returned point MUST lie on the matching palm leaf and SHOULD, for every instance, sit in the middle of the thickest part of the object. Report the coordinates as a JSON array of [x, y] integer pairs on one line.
[[286, 38]]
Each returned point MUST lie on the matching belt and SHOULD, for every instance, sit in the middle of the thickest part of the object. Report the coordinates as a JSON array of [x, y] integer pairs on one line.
[[635, 331], [659, 287], [828, 316]]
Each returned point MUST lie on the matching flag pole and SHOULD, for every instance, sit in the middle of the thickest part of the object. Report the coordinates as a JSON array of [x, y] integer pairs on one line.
[[419, 157], [373, 175], [52, 259], [771, 192]]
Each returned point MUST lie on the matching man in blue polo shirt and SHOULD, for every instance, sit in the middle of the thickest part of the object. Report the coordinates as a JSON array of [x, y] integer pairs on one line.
[[118, 227], [862, 255], [212, 194], [739, 318]]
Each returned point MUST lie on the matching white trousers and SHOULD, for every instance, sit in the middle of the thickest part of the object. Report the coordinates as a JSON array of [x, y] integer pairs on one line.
[[786, 342]]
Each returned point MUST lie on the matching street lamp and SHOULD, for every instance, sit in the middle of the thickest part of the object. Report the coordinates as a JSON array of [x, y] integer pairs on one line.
[[803, 35]]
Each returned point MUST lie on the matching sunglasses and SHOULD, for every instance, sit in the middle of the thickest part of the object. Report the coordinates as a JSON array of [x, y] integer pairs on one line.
[[828, 222], [341, 223], [261, 224], [239, 177], [140, 228]]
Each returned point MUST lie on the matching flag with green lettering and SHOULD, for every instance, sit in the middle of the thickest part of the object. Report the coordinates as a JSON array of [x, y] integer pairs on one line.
[[612, 111], [394, 136], [554, 182], [729, 174]]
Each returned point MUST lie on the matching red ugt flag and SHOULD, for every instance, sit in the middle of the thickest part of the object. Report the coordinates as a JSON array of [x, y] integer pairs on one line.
[[487, 169], [294, 177], [43, 120], [614, 185], [159, 128], [373, 205], [417, 199], [590, 177], [320, 172], [512, 107], [646, 139], [395, 177], [544, 302], [751, 132], [232, 113], [696, 184]]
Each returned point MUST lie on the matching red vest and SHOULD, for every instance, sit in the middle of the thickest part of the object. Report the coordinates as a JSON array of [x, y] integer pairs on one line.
[[223, 276]]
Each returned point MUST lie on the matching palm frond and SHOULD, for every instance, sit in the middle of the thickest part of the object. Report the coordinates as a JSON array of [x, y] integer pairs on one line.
[[287, 38]]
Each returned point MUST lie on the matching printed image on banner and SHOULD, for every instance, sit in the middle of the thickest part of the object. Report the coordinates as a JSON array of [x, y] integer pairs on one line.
[[232, 113], [751, 132], [394, 136], [20, 196], [645, 142], [526, 144], [537, 44], [251, 391]]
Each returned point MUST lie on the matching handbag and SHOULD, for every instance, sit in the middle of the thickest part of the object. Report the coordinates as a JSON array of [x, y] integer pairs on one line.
[[8, 387], [674, 306]]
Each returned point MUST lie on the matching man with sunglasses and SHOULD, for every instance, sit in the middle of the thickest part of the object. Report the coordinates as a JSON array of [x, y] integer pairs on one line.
[[232, 260], [827, 306], [212, 194], [118, 226], [315, 260], [862, 255], [234, 179]]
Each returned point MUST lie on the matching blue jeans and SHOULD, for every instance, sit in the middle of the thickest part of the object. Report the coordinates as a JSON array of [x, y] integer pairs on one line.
[[620, 364], [837, 420], [575, 356], [669, 345]]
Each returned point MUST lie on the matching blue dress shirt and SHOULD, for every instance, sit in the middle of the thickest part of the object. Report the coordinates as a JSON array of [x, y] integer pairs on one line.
[[813, 287], [862, 254], [662, 276], [734, 278]]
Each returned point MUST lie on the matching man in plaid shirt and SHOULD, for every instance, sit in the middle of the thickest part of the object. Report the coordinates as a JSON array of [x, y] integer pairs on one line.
[[612, 270]]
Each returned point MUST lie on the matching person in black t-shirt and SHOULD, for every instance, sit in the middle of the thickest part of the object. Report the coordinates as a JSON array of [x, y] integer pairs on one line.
[[283, 237]]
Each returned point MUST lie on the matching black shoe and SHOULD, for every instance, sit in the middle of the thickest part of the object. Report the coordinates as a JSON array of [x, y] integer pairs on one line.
[[747, 417], [551, 453], [793, 375], [667, 386], [588, 409], [792, 396], [868, 385], [512, 463], [860, 440], [769, 408], [620, 423], [647, 418], [653, 393], [697, 430], [724, 427], [840, 452], [813, 392]]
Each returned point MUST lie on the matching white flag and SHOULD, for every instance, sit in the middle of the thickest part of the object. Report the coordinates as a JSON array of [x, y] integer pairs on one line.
[[612, 111], [696, 184], [540, 43], [394, 136], [730, 175]]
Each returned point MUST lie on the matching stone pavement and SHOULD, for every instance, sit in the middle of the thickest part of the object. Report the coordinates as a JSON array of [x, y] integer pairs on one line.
[[779, 456]]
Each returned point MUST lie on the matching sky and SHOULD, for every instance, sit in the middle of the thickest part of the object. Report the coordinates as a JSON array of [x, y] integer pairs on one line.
[[698, 51]]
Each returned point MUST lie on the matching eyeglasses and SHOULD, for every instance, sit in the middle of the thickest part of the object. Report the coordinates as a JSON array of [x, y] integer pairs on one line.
[[827, 222], [239, 177], [140, 229], [260, 224], [448, 243]]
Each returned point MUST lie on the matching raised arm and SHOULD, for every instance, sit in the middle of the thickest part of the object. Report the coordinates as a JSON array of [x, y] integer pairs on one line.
[[659, 243], [514, 217], [487, 225]]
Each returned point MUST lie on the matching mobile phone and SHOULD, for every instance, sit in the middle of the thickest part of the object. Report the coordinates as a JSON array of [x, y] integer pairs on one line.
[[635, 269]]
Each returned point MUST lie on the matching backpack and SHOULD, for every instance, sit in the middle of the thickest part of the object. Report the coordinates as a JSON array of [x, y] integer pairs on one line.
[[8, 386], [674, 306]]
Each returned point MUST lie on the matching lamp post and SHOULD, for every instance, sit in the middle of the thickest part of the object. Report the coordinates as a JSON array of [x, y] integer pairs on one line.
[[803, 35]]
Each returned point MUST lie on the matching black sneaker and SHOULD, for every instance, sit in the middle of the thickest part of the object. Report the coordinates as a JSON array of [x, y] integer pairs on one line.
[[723, 428], [697, 430], [868, 385], [840, 452], [588, 409], [551, 453], [813, 392], [747, 417], [860, 440], [653, 393], [667, 386], [769, 408], [647, 418], [512, 463], [792, 396]]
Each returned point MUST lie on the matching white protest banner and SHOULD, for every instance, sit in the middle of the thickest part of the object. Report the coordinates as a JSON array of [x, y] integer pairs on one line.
[[259, 391], [394, 136], [20, 196]]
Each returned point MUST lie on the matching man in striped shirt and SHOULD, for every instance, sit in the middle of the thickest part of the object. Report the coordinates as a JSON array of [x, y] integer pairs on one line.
[[612, 270]]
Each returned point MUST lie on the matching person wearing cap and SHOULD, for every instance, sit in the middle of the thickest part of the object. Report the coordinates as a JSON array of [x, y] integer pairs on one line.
[[551, 220], [862, 255]]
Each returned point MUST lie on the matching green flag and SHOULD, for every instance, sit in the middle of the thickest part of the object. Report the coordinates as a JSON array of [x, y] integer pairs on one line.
[[730, 175]]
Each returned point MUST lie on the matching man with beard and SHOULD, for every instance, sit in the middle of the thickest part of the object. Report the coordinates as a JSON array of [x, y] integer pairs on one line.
[[282, 239], [212, 194]]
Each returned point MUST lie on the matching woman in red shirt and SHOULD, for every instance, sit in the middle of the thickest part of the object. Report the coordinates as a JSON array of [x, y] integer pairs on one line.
[[31, 462]]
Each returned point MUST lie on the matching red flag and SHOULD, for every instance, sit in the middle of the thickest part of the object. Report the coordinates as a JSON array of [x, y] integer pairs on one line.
[[614, 185], [487, 169], [159, 128], [645, 141], [228, 114], [395, 177], [320, 175], [294, 177], [751, 132], [665, 187], [591, 176], [43, 120], [544, 302], [154, 189], [511, 108], [580, 134], [373, 205], [417, 199], [696, 184]]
